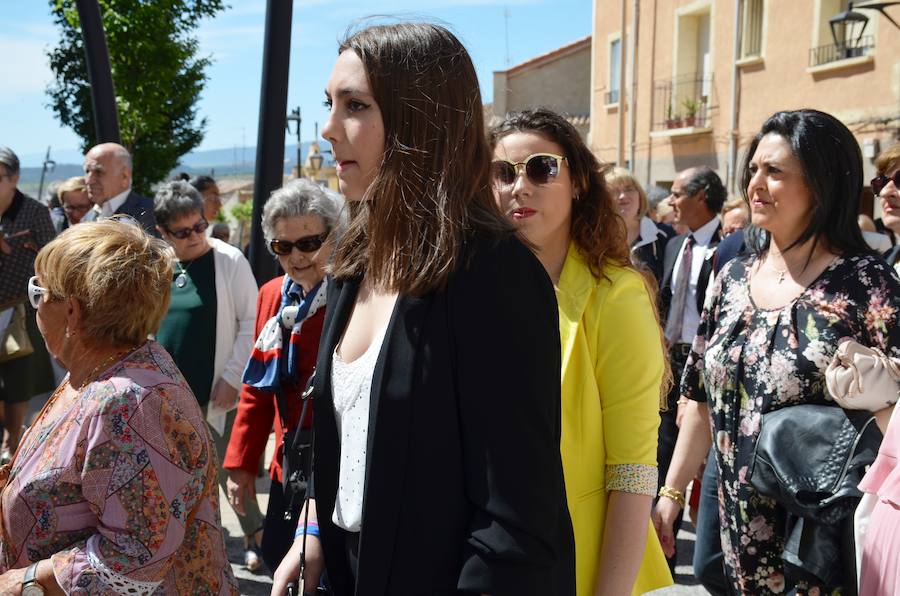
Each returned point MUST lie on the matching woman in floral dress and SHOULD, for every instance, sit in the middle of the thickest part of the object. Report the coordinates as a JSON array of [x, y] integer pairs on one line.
[[774, 321]]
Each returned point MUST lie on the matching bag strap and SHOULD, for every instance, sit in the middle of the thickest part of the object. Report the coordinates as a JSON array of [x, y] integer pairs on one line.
[[307, 399]]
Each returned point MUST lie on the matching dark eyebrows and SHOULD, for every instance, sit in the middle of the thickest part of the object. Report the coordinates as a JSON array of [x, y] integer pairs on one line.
[[348, 91]]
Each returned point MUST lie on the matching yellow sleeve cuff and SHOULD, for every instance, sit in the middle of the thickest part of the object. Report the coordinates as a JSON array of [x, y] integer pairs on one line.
[[640, 479]]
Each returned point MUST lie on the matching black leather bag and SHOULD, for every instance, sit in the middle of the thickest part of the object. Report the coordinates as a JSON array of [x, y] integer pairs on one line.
[[811, 457], [296, 463]]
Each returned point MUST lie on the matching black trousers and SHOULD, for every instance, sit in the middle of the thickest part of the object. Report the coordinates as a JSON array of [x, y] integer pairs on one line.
[[668, 431], [278, 533]]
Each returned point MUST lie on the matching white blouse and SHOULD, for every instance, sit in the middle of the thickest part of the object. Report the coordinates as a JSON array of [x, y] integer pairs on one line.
[[351, 384]]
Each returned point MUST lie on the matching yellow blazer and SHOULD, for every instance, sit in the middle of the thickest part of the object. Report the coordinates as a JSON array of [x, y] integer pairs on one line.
[[612, 366]]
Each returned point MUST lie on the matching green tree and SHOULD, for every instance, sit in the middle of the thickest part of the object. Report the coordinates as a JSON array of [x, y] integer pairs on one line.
[[156, 71]]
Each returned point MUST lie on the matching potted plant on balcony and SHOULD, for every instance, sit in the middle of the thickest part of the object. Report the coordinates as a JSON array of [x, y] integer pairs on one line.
[[673, 120], [691, 108]]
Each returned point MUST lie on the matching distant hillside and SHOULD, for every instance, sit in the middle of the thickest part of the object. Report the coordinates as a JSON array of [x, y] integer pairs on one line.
[[214, 162]]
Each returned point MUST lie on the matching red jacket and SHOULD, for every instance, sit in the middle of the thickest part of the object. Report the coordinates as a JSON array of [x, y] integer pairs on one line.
[[257, 410]]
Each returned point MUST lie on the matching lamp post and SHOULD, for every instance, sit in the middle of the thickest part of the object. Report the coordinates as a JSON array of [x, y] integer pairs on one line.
[[294, 116], [48, 166]]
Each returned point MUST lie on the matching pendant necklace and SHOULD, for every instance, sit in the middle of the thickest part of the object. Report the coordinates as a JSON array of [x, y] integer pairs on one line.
[[181, 279], [781, 273]]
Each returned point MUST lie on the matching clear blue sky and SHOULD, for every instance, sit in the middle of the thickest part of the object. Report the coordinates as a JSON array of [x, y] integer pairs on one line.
[[234, 40]]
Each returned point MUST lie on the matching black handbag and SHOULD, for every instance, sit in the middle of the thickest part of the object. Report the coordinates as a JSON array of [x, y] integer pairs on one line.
[[811, 457], [296, 462]]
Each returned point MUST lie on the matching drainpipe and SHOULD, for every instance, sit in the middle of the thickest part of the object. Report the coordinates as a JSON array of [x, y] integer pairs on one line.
[[647, 180], [620, 158], [632, 114], [735, 99]]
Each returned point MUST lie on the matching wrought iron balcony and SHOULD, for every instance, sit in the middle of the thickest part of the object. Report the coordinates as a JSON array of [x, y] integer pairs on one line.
[[841, 51], [682, 102]]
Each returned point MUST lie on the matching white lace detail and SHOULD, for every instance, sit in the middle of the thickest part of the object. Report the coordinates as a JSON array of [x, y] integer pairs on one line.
[[117, 582]]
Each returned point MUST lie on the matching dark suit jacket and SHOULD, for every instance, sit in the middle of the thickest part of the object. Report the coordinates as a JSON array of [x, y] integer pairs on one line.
[[140, 208], [464, 487], [673, 249]]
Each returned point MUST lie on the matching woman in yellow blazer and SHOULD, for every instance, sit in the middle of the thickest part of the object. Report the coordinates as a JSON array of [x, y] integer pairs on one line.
[[613, 361]]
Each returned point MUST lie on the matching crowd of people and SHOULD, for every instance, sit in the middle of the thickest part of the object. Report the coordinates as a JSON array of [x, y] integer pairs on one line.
[[509, 364]]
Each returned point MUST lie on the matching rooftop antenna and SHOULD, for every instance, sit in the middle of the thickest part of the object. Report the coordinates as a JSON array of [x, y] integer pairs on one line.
[[506, 15]]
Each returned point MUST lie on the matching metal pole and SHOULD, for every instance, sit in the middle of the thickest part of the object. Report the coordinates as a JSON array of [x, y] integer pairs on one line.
[[270, 137], [635, 24], [620, 154], [103, 95], [735, 99]]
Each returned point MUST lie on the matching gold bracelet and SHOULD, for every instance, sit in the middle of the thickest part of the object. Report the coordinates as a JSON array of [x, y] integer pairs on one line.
[[683, 401], [675, 495]]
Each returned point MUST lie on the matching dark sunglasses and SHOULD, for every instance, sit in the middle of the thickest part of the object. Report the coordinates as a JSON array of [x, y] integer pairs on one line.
[[305, 244], [183, 233], [540, 168], [879, 182]]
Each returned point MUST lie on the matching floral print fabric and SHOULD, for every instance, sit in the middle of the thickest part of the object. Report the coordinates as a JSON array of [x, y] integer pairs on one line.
[[747, 361], [119, 489]]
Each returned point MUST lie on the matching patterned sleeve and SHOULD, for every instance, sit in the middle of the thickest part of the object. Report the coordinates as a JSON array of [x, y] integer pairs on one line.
[[144, 468], [629, 387], [881, 316], [692, 385]]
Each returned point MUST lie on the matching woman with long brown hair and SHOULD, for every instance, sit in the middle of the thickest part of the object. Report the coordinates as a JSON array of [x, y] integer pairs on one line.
[[437, 411], [552, 188]]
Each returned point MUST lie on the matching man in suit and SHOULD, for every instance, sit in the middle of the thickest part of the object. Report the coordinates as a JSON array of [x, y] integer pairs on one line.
[[697, 197], [107, 173]]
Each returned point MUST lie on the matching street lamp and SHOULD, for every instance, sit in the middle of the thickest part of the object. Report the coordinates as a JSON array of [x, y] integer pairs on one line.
[[845, 23], [294, 116]]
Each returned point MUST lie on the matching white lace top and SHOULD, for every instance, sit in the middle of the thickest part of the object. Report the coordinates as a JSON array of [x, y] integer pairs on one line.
[[351, 384]]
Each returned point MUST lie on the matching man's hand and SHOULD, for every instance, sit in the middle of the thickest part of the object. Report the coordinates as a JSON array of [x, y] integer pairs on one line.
[[224, 395]]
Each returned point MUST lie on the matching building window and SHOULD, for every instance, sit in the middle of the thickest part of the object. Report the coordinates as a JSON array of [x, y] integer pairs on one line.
[[751, 28], [615, 66]]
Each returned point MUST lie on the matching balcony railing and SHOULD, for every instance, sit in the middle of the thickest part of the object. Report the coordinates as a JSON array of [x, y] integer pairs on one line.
[[682, 102], [841, 51]]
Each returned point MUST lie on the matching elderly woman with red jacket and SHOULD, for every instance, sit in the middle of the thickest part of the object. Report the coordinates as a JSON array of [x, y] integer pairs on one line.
[[298, 221]]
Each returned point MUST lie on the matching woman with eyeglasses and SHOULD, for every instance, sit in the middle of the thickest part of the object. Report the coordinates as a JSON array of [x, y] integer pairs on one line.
[[113, 487], [298, 221], [437, 465], [552, 189], [208, 327], [886, 186]]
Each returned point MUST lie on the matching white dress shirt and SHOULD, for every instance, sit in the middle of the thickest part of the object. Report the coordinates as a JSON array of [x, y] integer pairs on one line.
[[109, 208], [701, 251]]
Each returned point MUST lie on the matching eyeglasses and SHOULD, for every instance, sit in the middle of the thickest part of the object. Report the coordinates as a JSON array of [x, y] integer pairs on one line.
[[35, 292], [879, 182], [539, 168], [305, 244], [183, 233], [76, 208]]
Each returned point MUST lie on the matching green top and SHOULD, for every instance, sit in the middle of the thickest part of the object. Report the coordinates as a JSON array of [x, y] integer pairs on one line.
[[188, 331]]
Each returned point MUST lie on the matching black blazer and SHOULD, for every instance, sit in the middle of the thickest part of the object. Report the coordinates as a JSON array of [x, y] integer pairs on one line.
[[673, 249], [464, 487], [140, 208]]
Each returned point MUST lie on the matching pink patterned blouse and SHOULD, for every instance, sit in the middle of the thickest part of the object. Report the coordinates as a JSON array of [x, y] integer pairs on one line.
[[119, 491]]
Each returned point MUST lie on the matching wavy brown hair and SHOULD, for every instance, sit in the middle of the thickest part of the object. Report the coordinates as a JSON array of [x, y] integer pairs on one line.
[[433, 184], [597, 228]]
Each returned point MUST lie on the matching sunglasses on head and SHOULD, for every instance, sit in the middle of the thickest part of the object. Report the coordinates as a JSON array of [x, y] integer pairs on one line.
[[539, 168], [183, 233], [305, 244], [879, 182]]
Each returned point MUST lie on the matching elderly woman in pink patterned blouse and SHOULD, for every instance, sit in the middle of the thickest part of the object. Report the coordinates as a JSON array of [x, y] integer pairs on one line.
[[113, 488]]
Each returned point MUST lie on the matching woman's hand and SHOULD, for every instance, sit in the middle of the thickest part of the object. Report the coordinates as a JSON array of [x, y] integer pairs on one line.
[[289, 569], [241, 487], [664, 515], [224, 396]]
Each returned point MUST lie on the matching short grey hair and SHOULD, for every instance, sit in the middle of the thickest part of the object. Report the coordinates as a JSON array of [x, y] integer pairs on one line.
[[9, 160], [175, 200], [298, 198]]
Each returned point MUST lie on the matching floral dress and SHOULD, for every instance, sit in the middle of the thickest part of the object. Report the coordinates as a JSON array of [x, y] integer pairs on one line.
[[119, 490], [748, 361]]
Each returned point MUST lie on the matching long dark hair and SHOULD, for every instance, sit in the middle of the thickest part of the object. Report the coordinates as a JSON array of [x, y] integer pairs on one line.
[[433, 184], [597, 228], [833, 169]]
